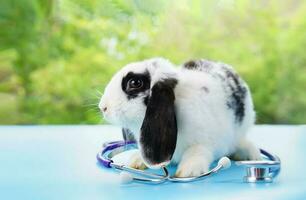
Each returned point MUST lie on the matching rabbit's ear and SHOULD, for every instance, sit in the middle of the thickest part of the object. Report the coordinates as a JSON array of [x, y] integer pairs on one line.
[[159, 129]]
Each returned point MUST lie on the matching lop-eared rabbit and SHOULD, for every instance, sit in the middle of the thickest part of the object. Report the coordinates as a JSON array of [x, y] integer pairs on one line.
[[189, 116]]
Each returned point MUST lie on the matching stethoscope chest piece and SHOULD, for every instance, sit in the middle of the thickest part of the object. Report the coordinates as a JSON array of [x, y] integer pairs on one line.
[[257, 175], [262, 171]]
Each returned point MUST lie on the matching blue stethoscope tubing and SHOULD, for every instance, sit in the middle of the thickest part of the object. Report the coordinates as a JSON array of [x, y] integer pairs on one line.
[[256, 171]]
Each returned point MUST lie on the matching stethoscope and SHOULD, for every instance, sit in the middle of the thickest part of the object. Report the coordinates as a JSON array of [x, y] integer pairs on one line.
[[256, 171]]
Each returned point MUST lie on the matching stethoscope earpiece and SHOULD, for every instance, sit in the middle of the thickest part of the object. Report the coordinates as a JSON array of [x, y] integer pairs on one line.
[[125, 177], [225, 162], [256, 171]]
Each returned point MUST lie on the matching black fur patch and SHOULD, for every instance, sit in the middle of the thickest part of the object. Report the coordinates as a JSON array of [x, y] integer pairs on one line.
[[201, 65], [205, 89], [159, 128], [237, 98], [191, 64], [132, 93]]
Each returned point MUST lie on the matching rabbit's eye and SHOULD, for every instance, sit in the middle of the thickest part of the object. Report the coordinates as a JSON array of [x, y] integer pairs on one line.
[[135, 83]]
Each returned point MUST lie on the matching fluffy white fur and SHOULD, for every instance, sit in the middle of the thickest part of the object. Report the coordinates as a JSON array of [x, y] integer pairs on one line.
[[207, 129]]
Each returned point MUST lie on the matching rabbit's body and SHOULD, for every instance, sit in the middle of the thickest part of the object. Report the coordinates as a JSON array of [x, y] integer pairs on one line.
[[209, 116], [202, 99]]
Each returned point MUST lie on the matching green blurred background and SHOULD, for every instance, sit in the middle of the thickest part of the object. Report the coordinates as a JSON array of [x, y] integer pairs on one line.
[[56, 56]]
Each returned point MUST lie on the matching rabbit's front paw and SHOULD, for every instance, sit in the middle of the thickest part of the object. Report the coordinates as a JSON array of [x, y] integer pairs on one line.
[[136, 161], [195, 161], [192, 167], [246, 151]]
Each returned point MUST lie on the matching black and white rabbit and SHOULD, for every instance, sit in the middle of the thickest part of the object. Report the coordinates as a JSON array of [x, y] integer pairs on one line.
[[190, 115]]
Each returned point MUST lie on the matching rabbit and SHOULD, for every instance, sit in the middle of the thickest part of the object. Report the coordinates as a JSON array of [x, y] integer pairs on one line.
[[190, 116]]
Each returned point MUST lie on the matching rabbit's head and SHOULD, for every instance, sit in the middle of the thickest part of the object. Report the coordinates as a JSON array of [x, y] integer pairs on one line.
[[141, 97]]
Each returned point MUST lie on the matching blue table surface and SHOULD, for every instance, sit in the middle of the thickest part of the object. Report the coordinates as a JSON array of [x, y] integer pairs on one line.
[[59, 162]]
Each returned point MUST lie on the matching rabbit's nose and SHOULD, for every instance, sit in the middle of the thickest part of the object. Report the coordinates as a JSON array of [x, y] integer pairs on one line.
[[104, 109]]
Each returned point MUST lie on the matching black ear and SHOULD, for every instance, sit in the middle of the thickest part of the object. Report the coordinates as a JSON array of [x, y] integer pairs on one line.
[[159, 129]]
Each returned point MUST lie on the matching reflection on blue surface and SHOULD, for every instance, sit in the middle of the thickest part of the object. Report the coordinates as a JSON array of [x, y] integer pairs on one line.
[[58, 162]]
